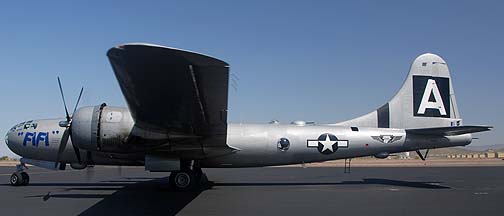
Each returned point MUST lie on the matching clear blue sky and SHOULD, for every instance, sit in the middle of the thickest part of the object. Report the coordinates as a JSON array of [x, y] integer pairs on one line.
[[323, 61]]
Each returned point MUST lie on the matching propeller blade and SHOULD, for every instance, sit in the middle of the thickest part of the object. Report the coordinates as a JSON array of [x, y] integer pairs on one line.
[[62, 146], [78, 100], [64, 102], [75, 148]]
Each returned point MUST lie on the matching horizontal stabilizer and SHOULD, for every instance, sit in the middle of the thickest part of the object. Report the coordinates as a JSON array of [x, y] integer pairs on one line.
[[449, 131]]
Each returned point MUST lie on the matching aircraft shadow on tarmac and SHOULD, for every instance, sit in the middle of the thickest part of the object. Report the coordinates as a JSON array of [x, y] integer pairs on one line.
[[154, 197], [366, 181], [132, 196]]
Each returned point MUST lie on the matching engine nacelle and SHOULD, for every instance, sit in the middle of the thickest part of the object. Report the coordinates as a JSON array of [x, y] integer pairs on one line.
[[102, 128]]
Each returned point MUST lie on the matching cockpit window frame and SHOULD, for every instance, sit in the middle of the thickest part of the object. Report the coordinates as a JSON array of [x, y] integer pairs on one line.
[[19, 126]]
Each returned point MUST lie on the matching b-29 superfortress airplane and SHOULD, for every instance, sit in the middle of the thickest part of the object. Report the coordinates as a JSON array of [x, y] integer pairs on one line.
[[176, 121]]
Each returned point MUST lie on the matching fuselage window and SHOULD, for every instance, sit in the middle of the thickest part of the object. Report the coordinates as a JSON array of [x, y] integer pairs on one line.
[[27, 124], [283, 144], [20, 126]]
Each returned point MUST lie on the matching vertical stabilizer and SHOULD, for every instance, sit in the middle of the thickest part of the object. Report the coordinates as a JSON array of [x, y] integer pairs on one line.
[[426, 99]]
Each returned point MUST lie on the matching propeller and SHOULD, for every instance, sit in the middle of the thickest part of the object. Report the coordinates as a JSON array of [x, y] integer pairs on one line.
[[68, 128]]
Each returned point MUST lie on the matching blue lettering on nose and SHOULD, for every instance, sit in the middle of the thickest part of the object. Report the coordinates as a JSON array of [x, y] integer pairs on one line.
[[35, 138], [42, 137], [28, 138]]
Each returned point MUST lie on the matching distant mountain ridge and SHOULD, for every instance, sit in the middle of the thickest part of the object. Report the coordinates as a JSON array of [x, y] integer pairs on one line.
[[452, 151], [496, 147], [467, 149]]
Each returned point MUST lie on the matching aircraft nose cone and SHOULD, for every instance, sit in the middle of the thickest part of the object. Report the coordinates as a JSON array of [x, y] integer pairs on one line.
[[7, 140], [12, 141]]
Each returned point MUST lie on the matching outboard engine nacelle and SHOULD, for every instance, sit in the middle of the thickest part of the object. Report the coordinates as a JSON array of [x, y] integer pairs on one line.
[[102, 128]]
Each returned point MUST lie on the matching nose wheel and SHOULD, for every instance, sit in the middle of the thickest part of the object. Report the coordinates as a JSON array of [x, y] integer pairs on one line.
[[19, 179]]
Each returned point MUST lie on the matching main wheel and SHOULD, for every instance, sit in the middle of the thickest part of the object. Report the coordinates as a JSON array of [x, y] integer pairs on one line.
[[16, 179], [26, 178], [183, 180]]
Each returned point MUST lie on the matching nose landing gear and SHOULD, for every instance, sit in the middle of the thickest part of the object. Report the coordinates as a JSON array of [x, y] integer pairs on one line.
[[20, 177]]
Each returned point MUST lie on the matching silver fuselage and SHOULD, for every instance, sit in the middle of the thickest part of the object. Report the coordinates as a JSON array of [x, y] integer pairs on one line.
[[254, 145]]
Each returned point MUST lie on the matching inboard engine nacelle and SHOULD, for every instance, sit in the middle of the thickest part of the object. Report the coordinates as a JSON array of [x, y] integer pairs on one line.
[[102, 128]]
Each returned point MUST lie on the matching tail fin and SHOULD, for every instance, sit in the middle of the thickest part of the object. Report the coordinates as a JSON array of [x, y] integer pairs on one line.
[[426, 99]]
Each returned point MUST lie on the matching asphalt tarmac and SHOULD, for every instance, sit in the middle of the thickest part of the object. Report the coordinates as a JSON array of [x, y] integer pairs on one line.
[[260, 191]]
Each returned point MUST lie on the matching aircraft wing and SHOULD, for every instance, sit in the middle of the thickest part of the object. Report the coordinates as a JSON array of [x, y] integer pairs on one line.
[[173, 91], [449, 131]]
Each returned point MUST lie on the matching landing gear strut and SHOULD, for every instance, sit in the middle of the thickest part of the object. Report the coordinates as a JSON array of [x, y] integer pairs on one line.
[[20, 177], [347, 165], [190, 177], [422, 156]]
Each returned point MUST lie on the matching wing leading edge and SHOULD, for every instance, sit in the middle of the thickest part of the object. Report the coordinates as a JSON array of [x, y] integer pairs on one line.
[[173, 91]]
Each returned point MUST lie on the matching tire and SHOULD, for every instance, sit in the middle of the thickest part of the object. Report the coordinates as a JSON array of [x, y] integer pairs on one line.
[[26, 178], [16, 179], [183, 180]]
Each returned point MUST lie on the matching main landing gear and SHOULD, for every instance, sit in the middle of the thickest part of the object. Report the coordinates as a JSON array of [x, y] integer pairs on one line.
[[190, 177], [20, 177]]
